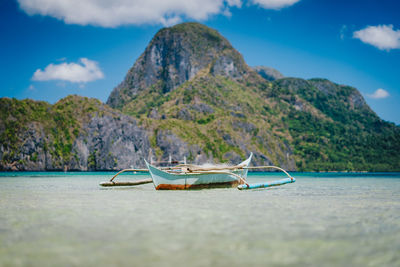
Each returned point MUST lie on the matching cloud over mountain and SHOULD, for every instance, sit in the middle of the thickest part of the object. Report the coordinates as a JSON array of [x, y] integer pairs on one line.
[[85, 71], [124, 12], [379, 94]]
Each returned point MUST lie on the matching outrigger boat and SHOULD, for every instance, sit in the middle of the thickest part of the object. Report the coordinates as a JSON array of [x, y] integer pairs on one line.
[[188, 176]]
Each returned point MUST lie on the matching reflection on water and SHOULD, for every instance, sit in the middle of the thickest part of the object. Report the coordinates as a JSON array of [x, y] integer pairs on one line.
[[68, 220]]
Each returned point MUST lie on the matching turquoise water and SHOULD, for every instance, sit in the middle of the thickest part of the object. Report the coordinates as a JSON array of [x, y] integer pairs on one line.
[[332, 219]]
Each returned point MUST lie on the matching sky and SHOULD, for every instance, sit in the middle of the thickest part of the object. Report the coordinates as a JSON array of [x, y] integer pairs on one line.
[[53, 48]]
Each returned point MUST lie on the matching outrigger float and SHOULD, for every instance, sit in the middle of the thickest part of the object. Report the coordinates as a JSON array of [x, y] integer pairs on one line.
[[188, 176]]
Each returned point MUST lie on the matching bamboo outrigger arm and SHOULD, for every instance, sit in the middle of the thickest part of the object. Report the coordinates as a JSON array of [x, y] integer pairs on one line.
[[137, 182], [128, 170], [269, 167], [288, 180]]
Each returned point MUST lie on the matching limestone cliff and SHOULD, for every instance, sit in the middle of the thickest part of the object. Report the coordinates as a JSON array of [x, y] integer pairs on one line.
[[76, 133], [176, 55]]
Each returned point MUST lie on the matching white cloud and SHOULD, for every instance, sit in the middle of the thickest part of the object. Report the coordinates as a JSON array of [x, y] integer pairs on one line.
[[124, 12], [237, 3], [381, 36], [84, 71], [379, 93], [121, 12], [275, 4]]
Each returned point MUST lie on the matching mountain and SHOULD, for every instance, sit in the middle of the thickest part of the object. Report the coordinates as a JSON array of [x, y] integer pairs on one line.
[[268, 73], [191, 85], [334, 129], [76, 133], [191, 94], [176, 55]]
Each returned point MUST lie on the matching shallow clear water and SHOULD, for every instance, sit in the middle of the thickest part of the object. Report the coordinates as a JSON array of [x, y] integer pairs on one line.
[[58, 219]]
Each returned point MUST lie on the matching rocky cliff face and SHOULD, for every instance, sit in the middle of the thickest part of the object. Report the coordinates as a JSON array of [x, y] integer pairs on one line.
[[111, 142], [176, 55], [268, 73], [96, 137]]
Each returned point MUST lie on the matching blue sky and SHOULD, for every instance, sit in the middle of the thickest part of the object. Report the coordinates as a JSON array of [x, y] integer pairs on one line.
[[52, 48]]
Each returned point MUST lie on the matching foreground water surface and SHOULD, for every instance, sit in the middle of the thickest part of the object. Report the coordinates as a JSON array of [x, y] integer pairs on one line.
[[66, 219]]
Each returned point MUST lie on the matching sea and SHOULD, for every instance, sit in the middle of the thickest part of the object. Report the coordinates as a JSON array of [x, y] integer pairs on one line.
[[323, 219]]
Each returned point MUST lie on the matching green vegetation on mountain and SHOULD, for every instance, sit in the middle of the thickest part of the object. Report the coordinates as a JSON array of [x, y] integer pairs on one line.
[[219, 115], [328, 131], [348, 136], [58, 125]]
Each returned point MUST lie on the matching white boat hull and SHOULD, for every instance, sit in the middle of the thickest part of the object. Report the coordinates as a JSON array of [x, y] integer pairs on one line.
[[217, 179]]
